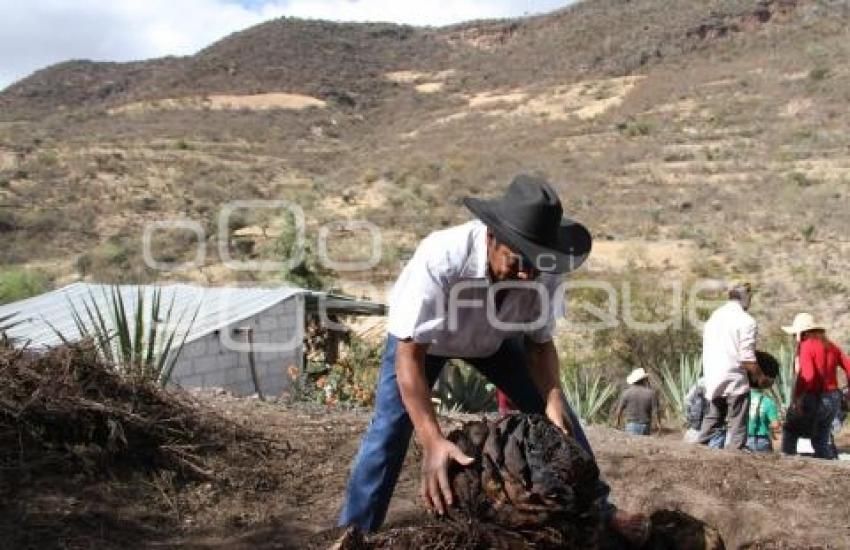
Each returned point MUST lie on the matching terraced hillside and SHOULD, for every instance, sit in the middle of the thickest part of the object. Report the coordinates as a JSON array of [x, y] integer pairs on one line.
[[696, 139]]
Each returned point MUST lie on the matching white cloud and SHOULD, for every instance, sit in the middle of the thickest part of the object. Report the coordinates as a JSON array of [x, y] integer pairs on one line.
[[37, 33]]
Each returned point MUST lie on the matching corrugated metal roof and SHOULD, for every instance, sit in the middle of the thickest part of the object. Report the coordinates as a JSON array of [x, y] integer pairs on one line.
[[334, 304], [216, 307]]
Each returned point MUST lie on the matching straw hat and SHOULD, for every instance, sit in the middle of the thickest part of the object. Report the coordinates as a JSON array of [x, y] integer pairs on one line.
[[802, 323], [636, 376]]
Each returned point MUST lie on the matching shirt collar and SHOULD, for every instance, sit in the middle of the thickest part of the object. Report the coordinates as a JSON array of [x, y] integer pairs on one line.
[[476, 263], [736, 305]]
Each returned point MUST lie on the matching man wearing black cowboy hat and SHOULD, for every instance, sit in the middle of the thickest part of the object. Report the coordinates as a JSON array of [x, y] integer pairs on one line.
[[487, 292]]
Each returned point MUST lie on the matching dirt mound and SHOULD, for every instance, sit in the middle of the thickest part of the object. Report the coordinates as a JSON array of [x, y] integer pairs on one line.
[[671, 530], [529, 487], [67, 410], [92, 459], [290, 498]]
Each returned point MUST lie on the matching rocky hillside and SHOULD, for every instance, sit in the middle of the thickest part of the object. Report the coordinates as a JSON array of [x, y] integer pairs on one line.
[[696, 139]]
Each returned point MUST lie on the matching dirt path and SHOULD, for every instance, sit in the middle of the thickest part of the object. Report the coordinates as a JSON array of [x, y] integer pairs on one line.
[[755, 501]]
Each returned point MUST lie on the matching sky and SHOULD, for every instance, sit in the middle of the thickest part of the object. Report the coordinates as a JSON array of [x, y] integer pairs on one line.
[[38, 33]]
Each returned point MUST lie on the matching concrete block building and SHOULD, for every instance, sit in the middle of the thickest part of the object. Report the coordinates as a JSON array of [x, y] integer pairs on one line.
[[245, 340]]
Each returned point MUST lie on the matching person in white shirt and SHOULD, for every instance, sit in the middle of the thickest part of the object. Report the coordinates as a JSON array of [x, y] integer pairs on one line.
[[487, 292], [729, 362]]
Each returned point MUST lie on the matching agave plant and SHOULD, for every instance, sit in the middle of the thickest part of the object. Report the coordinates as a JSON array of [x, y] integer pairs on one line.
[[784, 386], [588, 393], [143, 341], [675, 383], [462, 389]]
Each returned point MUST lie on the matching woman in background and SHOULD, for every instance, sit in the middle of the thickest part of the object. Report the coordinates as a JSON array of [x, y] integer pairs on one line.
[[816, 399]]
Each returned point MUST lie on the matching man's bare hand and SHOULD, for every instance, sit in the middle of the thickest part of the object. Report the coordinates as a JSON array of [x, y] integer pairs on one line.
[[557, 412], [436, 457]]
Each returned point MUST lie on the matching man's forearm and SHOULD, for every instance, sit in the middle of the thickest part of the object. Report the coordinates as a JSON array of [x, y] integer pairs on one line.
[[544, 368], [416, 392], [776, 431]]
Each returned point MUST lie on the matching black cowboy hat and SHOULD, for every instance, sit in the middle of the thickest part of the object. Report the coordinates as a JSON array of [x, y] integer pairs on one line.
[[529, 219]]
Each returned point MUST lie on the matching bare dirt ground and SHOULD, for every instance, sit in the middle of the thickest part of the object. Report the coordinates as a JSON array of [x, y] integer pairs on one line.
[[287, 492], [754, 501], [257, 102]]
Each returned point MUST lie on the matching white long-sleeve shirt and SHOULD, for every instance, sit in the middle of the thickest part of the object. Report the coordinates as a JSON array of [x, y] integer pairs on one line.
[[441, 298], [729, 339]]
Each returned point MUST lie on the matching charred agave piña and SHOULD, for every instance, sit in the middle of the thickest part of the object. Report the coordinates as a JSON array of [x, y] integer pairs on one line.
[[530, 486]]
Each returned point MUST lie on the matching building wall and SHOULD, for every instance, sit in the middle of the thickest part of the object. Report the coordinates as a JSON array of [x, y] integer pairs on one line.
[[211, 361]]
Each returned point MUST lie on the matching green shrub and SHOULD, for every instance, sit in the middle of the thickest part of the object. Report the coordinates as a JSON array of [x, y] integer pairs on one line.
[[115, 261], [633, 348], [800, 179], [634, 128], [818, 73], [83, 264], [351, 380], [308, 273], [18, 284], [808, 233], [8, 220], [43, 221], [115, 254]]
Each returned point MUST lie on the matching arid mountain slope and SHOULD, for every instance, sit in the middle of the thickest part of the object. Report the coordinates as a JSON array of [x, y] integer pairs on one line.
[[695, 138]]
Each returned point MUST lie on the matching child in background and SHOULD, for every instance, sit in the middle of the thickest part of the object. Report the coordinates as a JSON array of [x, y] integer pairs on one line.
[[763, 426]]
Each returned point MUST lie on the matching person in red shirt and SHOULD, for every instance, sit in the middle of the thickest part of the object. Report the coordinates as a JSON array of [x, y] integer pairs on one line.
[[816, 399]]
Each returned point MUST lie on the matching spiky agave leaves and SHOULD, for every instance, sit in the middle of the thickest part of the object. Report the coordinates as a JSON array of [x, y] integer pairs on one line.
[[143, 339], [587, 392], [676, 383]]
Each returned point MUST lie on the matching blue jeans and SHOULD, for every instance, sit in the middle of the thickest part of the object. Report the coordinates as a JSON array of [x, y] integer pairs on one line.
[[378, 462], [821, 411], [760, 444], [718, 440], [637, 428], [726, 414]]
